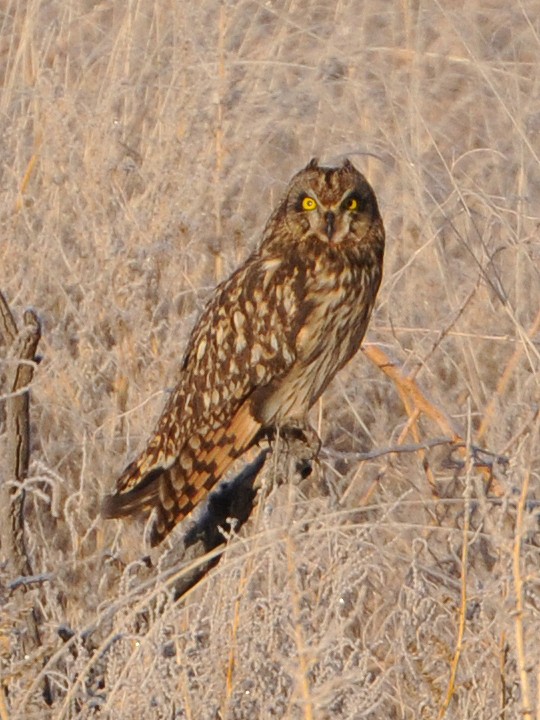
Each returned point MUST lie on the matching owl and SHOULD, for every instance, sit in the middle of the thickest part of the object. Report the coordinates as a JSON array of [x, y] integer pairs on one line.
[[267, 344]]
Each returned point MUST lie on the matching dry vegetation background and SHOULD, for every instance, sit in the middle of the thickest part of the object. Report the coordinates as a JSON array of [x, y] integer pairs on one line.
[[142, 146]]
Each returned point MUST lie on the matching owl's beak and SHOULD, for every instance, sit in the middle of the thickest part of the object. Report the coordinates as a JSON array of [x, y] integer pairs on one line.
[[330, 219]]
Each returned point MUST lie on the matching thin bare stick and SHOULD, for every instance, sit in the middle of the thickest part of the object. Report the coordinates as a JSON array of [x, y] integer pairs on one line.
[[409, 387], [3, 706], [413, 397], [22, 346], [8, 325], [505, 379], [391, 449], [464, 562], [519, 591]]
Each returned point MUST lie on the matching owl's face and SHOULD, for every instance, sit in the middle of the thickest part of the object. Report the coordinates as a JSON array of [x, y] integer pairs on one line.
[[333, 204]]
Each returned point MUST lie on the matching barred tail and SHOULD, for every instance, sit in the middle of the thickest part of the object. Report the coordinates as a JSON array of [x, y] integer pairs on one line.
[[218, 452], [173, 492]]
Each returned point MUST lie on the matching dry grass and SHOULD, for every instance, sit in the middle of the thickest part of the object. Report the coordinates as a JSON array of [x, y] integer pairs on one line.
[[142, 146]]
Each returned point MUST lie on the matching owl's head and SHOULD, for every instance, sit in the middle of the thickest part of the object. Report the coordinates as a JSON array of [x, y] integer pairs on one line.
[[334, 204]]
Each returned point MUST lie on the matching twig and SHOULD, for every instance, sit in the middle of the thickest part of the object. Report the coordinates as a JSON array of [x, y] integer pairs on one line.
[[505, 379], [26, 581], [22, 345], [3, 706], [8, 325], [410, 388], [464, 562], [413, 397], [520, 606], [220, 91], [503, 658], [379, 452], [28, 172]]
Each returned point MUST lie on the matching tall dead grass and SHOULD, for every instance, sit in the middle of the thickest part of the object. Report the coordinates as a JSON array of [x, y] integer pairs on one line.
[[142, 147]]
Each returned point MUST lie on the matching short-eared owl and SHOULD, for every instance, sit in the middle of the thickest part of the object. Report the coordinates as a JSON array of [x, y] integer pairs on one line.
[[267, 344]]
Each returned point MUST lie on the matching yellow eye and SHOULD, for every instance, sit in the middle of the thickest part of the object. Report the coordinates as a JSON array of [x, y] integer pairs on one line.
[[308, 203], [351, 204]]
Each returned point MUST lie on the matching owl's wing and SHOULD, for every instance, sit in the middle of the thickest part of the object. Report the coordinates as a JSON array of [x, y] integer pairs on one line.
[[243, 341]]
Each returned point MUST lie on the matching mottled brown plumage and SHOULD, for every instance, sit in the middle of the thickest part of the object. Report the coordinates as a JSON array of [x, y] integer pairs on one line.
[[267, 344]]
